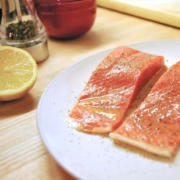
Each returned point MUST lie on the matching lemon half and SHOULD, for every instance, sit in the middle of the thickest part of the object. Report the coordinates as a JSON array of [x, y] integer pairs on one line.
[[18, 73]]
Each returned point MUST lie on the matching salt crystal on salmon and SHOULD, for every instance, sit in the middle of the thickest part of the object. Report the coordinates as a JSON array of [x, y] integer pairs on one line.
[[155, 125], [112, 88]]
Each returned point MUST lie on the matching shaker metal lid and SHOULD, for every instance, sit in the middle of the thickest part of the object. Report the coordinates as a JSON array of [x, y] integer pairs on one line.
[[39, 52]]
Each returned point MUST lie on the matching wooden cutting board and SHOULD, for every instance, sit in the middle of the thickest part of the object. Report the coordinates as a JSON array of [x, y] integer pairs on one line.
[[162, 11]]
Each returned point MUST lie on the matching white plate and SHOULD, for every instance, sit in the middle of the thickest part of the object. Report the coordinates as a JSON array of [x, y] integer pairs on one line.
[[94, 157]]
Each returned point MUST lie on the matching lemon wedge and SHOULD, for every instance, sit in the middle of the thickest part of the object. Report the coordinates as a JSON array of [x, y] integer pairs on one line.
[[18, 73]]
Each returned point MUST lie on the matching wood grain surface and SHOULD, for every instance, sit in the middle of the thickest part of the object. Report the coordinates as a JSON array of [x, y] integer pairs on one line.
[[166, 11], [22, 153]]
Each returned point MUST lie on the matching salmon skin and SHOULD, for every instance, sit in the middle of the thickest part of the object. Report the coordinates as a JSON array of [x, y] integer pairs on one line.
[[155, 125], [112, 88]]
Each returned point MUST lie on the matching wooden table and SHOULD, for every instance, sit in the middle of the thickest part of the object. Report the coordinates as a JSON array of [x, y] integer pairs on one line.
[[22, 153]]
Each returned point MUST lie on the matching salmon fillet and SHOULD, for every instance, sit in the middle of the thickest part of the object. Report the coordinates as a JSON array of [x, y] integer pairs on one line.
[[155, 125], [112, 88]]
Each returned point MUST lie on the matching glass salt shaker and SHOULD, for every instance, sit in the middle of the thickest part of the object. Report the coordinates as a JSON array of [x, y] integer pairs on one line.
[[21, 27]]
